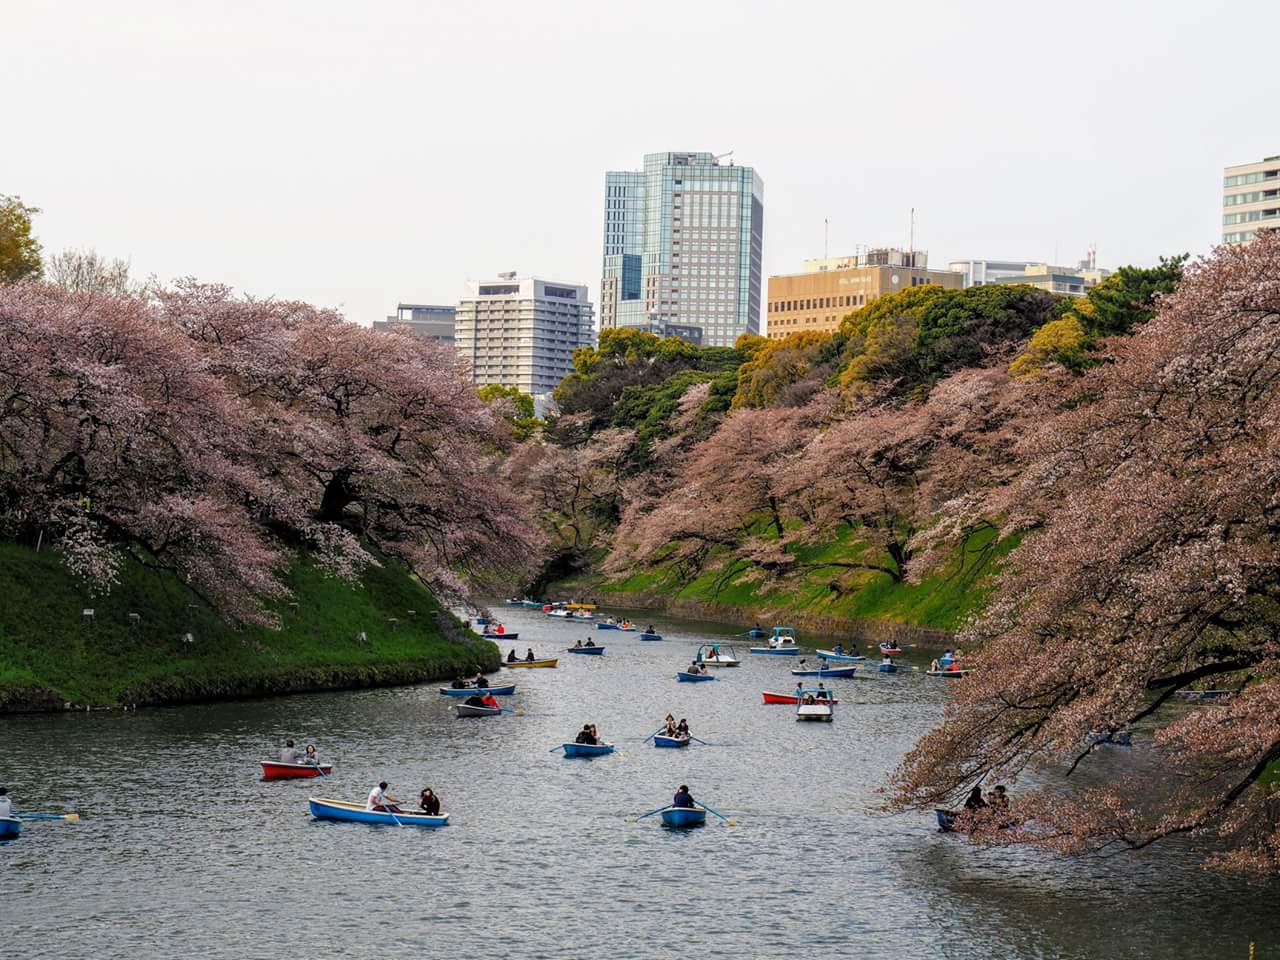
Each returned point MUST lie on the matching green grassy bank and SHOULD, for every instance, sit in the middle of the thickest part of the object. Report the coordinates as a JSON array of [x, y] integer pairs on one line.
[[822, 593], [51, 655]]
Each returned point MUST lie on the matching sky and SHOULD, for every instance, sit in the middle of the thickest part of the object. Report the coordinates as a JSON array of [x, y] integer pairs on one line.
[[358, 155]]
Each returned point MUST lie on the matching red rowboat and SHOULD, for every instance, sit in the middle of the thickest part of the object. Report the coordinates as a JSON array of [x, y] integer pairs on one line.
[[279, 770], [782, 698]]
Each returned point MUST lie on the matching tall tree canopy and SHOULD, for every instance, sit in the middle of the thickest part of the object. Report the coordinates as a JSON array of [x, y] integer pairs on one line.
[[19, 250]]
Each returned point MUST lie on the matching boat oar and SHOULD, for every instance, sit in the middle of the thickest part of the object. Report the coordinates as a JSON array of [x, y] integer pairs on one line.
[[652, 735], [703, 742], [554, 749], [665, 806], [69, 817], [729, 821]]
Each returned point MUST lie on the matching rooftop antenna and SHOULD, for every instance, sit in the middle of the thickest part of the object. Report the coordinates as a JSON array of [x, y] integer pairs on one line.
[[911, 241], [720, 156], [826, 237]]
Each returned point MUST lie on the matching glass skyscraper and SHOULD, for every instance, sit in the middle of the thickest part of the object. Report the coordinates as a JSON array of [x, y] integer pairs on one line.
[[683, 248]]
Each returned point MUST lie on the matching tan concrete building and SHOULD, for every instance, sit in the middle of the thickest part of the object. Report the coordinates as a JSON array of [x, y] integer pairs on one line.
[[1250, 199], [824, 295]]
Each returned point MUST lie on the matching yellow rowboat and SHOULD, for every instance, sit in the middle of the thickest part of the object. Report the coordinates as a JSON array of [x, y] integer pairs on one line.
[[531, 663], [581, 606]]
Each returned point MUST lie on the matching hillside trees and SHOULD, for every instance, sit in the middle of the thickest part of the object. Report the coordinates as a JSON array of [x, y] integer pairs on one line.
[[1153, 502]]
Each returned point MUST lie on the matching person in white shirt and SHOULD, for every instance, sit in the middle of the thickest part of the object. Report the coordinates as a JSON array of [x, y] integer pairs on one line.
[[381, 801], [6, 808]]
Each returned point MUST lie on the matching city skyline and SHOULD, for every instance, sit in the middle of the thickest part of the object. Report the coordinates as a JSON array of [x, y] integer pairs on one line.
[[314, 155]]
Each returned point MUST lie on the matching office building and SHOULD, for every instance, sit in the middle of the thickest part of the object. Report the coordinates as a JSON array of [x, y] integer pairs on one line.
[[1250, 199], [1072, 281], [979, 273], [683, 248], [829, 289], [522, 331], [423, 319]]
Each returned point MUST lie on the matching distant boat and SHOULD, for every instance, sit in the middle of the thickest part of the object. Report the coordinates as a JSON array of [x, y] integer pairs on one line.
[[790, 698], [500, 636], [590, 651], [582, 615], [946, 674], [279, 770], [587, 749], [755, 633], [1116, 739], [782, 642], [547, 662], [559, 614], [661, 740], [650, 636], [887, 667], [826, 672], [356, 813], [890, 650], [813, 706], [625, 626], [1203, 694], [472, 710], [694, 677], [842, 657], [10, 827], [946, 819], [684, 817], [506, 691], [717, 655]]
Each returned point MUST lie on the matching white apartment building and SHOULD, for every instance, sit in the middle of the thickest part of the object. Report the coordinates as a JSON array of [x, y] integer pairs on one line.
[[1250, 199], [522, 331]]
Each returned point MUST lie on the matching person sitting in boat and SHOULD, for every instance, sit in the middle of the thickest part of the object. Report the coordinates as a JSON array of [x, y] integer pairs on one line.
[[529, 657], [499, 629], [671, 730], [975, 801], [809, 698], [595, 733], [459, 684], [475, 700], [887, 659], [649, 629], [590, 642], [488, 700], [381, 801], [586, 736], [289, 753], [823, 693], [576, 646], [511, 657], [6, 806], [947, 656], [480, 681], [311, 756], [999, 798], [429, 803], [935, 666], [838, 649], [695, 667], [683, 797], [683, 729]]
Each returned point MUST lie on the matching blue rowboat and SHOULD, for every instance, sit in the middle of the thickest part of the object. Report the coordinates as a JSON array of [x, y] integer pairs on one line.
[[887, 668], [10, 827], [607, 626], [587, 749], [684, 817], [674, 742], [1115, 739], [533, 603], [694, 677], [589, 651], [506, 691], [777, 651], [356, 813], [946, 819], [650, 636], [501, 636], [826, 672], [755, 633], [841, 657]]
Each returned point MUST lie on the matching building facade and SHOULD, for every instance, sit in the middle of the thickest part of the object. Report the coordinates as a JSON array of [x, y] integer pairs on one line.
[[522, 331], [979, 273], [683, 247], [829, 289], [1071, 281], [1250, 199], [431, 321]]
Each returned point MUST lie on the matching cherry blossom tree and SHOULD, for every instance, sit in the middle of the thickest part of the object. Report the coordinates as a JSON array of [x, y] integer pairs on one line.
[[1151, 567]]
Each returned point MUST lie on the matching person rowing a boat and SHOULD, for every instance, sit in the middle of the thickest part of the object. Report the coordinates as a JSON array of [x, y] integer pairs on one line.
[[429, 803], [488, 700], [671, 730], [529, 657], [587, 735], [459, 683], [480, 682], [695, 667], [589, 643], [289, 753], [683, 797], [838, 650], [475, 700], [511, 657], [576, 646], [683, 729], [381, 801], [975, 801]]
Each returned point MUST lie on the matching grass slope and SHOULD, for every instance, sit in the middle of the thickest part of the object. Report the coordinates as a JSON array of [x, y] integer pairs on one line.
[[943, 600], [49, 654]]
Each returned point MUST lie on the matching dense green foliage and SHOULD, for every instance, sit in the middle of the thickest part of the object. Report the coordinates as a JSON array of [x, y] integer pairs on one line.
[[517, 408], [1126, 299], [46, 646]]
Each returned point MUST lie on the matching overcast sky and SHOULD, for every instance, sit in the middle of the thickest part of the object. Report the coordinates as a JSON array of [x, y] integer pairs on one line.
[[361, 154]]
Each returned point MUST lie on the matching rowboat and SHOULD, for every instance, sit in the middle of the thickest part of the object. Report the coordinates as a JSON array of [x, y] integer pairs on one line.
[[588, 651], [583, 615], [1203, 694], [717, 655], [664, 741], [472, 710], [890, 650], [581, 607], [826, 672], [887, 667], [694, 677], [784, 698], [356, 812], [500, 636], [755, 633], [946, 674], [10, 827], [549, 662], [559, 614], [587, 749], [506, 691], [777, 651], [532, 603], [813, 705], [946, 819], [624, 627], [607, 626], [650, 636], [1116, 739], [684, 817], [279, 770], [841, 657]]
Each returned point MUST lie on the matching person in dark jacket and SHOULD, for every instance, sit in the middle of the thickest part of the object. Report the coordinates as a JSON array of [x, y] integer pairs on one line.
[[511, 657], [683, 798], [529, 657], [429, 803], [586, 736], [975, 801]]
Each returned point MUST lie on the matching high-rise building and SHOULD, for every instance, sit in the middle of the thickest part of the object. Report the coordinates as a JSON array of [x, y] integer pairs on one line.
[[427, 320], [1250, 199], [522, 331], [683, 247], [829, 289]]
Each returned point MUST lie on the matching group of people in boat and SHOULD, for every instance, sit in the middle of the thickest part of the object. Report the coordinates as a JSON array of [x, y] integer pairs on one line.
[[672, 729], [528, 656], [588, 735], [481, 682], [948, 661], [579, 645], [696, 667], [488, 700], [812, 696], [624, 624], [380, 801], [291, 754], [997, 799]]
